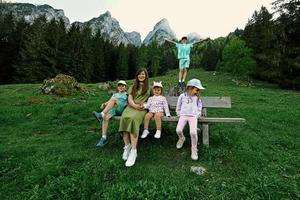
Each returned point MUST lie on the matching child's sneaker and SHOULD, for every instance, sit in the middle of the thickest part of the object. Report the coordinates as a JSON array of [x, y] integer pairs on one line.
[[180, 142], [183, 84], [157, 134], [126, 152], [98, 116], [194, 154], [131, 158], [101, 142], [145, 133]]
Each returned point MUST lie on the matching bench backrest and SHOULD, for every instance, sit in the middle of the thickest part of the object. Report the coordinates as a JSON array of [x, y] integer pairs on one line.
[[208, 102]]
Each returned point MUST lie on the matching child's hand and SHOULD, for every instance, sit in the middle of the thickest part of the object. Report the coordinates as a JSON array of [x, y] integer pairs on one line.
[[102, 106]]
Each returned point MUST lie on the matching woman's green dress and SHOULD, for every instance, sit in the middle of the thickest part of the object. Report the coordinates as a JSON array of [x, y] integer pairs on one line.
[[132, 118]]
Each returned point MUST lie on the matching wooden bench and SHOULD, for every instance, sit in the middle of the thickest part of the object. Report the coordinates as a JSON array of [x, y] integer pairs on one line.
[[207, 102]]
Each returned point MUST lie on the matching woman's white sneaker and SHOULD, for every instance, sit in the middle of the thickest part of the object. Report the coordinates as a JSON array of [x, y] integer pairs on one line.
[[126, 152], [131, 159]]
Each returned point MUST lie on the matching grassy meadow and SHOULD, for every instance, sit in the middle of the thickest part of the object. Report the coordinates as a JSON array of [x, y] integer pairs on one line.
[[47, 147]]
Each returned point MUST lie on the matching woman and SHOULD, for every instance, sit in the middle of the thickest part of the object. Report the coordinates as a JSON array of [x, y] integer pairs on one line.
[[133, 116]]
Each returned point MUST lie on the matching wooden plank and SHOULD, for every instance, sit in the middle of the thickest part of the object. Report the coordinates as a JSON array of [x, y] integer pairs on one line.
[[208, 102], [204, 120], [205, 135]]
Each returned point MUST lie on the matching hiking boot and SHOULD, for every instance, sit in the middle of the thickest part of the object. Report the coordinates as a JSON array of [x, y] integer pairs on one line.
[[131, 158], [157, 134], [126, 152], [180, 142], [145, 133], [194, 154], [98, 116], [101, 142]]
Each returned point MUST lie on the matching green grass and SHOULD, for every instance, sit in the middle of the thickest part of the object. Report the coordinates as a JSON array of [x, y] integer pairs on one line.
[[47, 148]]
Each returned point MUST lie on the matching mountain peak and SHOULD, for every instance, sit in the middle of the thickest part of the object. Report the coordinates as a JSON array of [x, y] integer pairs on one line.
[[160, 31], [107, 14], [162, 23], [194, 37]]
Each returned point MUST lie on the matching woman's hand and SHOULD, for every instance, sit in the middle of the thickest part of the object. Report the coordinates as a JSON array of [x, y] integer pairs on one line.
[[139, 106]]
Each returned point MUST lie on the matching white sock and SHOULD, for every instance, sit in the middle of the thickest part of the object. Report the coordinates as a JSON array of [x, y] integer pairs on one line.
[[179, 81], [102, 114], [104, 136], [182, 80]]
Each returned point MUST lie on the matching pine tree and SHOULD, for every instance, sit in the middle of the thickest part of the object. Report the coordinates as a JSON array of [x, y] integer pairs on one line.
[[122, 63], [57, 46], [32, 62], [98, 61], [154, 58], [7, 47], [289, 42], [260, 36]]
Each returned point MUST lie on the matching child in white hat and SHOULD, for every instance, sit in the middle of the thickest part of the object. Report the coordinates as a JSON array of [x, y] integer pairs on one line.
[[157, 106], [189, 108], [113, 107]]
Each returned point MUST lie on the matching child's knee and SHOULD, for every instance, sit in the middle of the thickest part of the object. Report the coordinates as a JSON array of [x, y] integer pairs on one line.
[[106, 117], [157, 116], [179, 131], [193, 134]]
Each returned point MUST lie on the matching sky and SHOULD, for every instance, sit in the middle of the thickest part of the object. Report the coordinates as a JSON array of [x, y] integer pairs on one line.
[[209, 18]]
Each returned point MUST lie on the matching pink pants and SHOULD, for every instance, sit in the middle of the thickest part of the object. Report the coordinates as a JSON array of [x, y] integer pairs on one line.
[[193, 128]]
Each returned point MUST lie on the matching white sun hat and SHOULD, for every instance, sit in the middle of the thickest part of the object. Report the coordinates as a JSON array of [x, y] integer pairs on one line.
[[121, 82], [157, 84], [195, 83]]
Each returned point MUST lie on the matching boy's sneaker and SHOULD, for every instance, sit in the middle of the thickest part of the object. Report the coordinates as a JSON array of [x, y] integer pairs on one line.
[[145, 133], [180, 142], [157, 134], [131, 158], [194, 154], [101, 142], [98, 116], [126, 152], [183, 84]]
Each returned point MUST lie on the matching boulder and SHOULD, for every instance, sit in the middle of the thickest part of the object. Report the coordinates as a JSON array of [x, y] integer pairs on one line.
[[62, 85]]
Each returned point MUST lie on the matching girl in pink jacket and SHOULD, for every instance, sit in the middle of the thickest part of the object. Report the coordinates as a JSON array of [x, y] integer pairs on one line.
[[157, 106]]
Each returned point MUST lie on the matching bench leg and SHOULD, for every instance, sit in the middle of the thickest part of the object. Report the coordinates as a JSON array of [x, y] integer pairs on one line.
[[205, 135]]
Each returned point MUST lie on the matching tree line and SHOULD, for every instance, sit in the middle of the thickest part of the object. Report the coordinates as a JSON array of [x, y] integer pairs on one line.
[[267, 49], [30, 53]]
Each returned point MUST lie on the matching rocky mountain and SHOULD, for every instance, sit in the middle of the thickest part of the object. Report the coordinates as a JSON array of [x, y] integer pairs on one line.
[[109, 27], [160, 31], [134, 38], [194, 37], [31, 12]]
